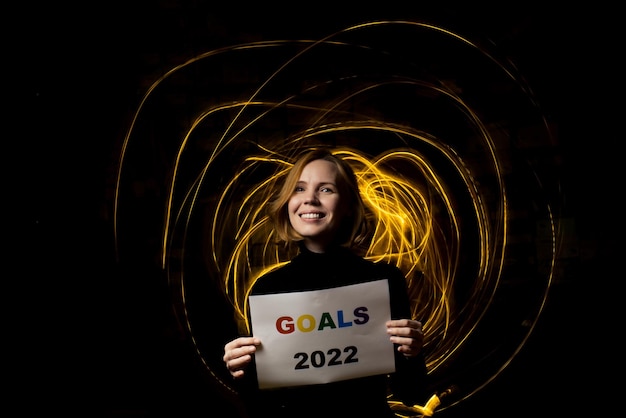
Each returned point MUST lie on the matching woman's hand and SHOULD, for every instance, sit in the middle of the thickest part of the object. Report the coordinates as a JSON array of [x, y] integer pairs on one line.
[[238, 354], [408, 334]]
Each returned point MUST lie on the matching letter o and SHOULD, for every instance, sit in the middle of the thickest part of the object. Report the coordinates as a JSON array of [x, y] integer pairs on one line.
[[302, 319]]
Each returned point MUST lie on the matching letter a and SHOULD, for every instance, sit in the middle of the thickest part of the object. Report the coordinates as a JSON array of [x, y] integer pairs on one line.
[[326, 321]]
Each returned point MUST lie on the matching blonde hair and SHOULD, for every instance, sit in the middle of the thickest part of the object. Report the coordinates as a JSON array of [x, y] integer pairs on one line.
[[353, 231]]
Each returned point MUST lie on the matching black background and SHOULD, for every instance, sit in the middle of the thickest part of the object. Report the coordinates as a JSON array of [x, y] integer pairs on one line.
[[87, 341]]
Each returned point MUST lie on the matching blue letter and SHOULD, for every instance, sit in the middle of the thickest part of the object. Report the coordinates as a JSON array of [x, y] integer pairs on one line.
[[340, 318]]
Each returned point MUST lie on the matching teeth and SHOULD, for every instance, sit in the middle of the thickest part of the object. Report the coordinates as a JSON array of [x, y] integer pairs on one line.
[[311, 215]]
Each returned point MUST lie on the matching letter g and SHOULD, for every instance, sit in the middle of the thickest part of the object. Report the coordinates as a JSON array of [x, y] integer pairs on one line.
[[284, 325]]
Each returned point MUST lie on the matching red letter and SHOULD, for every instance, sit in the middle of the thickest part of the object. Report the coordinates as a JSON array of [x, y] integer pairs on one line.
[[284, 325]]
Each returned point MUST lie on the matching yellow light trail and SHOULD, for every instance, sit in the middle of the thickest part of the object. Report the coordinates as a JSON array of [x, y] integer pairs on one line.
[[438, 202]]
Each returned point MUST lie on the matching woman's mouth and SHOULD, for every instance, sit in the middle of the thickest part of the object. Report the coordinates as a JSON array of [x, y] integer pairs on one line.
[[312, 215]]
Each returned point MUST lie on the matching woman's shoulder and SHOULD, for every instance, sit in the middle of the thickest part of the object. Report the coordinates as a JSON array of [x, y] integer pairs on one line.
[[273, 281], [385, 267]]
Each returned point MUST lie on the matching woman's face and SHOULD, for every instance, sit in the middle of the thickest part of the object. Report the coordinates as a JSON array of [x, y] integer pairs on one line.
[[315, 207]]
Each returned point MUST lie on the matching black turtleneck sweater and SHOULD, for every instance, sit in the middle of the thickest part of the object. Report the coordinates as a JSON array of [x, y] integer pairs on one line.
[[362, 397]]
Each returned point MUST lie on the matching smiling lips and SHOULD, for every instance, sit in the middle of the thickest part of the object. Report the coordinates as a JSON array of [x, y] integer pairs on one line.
[[312, 215]]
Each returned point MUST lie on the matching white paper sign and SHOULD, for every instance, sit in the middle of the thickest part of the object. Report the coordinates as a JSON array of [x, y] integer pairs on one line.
[[322, 336]]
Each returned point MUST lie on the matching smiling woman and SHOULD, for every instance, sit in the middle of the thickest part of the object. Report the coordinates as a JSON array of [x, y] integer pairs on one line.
[[319, 209], [313, 206], [324, 196]]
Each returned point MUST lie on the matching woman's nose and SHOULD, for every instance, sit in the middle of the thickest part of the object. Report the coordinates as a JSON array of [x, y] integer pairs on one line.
[[311, 197]]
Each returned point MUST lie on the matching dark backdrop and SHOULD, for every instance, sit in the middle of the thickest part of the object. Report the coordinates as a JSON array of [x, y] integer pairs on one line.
[[88, 341]]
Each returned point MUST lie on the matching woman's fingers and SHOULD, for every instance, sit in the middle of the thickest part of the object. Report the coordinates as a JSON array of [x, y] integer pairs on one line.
[[407, 334], [405, 327], [238, 354]]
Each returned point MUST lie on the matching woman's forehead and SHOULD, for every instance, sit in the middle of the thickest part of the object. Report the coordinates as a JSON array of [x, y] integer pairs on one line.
[[319, 169], [320, 166]]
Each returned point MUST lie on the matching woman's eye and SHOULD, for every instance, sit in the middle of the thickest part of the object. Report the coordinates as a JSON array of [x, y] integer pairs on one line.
[[299, 189], [326, 190]]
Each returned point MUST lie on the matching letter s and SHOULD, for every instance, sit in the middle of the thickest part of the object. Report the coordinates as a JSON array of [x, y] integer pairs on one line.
[[360, 315], [284, 325]]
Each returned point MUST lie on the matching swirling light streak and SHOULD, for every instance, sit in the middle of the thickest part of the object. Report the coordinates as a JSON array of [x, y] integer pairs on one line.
[[439, 212]]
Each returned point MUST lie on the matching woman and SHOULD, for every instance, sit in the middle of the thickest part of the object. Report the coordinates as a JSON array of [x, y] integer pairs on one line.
[[320, 209]]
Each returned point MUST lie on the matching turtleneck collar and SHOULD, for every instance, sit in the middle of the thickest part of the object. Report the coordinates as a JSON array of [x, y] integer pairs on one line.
[[330, 251]]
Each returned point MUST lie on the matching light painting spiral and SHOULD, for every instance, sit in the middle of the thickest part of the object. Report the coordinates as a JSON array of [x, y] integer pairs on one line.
[[443, 137]]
